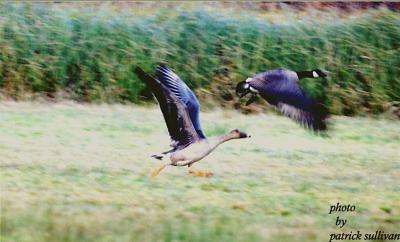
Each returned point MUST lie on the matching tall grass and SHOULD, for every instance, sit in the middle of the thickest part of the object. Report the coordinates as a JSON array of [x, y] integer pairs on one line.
[[90, 52]]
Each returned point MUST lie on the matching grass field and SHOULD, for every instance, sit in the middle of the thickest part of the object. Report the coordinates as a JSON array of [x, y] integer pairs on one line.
[[72, 172]]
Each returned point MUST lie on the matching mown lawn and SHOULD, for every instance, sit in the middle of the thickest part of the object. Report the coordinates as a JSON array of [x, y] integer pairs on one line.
[[72, 172]]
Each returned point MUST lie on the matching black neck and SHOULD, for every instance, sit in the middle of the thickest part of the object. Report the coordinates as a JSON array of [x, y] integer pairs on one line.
[[305, 74]]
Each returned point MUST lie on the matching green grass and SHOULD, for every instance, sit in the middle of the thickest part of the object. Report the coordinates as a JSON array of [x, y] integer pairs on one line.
[[72, 172], [89, 52]]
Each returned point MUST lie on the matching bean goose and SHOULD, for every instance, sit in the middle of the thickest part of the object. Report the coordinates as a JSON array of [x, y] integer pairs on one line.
[[180, 109]]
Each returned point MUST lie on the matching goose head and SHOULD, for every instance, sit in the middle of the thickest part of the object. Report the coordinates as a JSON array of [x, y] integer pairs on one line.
[[237, 134], [242, 89]]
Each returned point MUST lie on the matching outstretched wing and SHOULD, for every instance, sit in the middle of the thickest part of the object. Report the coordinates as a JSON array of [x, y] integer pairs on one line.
[[286, 96], [183, 93], [176, 116]]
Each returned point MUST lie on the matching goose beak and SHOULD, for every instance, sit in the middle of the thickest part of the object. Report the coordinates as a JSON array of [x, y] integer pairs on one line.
[[244, 135], [244, 93]]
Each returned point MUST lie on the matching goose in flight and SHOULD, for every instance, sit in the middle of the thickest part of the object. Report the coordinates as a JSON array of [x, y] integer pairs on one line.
[[180, 109], [281, 89]]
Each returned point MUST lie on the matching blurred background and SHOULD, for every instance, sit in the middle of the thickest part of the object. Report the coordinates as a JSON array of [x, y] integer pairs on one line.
[[87, 51], [77, 128]]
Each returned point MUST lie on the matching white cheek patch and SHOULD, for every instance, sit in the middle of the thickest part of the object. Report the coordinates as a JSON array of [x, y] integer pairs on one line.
[[315, 74], [253, 90], [247, 85]]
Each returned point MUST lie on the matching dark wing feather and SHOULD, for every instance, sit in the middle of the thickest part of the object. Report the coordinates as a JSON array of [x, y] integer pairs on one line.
[[176, 117], [183, 92], [285, 94]]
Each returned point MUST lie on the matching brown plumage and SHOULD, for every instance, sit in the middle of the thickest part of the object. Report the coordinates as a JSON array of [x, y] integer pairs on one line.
[[180, 109]]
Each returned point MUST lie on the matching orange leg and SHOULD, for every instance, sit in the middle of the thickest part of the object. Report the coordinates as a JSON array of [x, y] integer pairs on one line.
[[200, 173], [158, 170]]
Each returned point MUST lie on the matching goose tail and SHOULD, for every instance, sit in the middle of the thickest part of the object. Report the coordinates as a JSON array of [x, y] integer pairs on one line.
[[158, 157]]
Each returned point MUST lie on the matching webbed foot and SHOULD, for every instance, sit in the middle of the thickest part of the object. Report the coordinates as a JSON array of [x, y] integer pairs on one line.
[[200, 173]]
